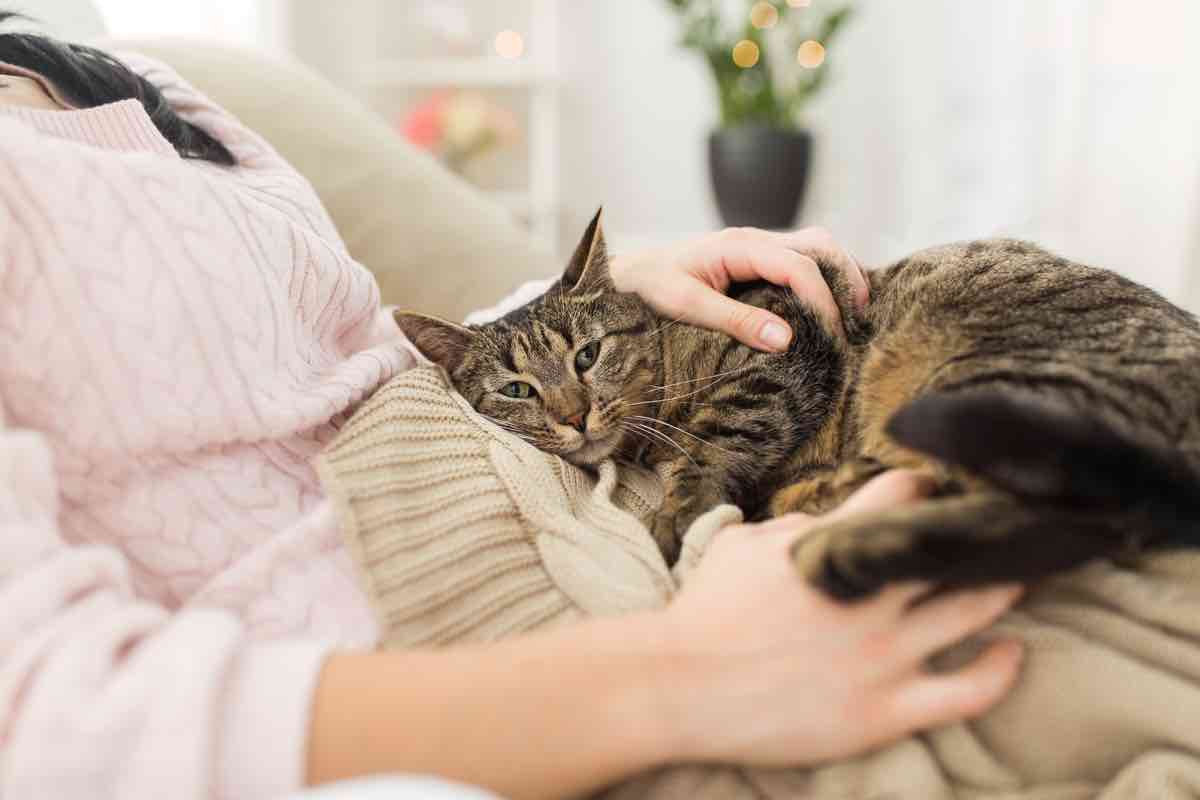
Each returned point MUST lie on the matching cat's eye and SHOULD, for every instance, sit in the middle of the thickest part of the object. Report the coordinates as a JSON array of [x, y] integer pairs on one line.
[[518, 390], [586, 357]]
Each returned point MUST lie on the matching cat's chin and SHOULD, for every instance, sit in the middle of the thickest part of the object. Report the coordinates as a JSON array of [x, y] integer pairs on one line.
[[589, 454]]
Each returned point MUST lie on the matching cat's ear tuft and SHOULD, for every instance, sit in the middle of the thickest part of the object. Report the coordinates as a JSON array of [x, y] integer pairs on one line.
[[589, 266], [440, 341]]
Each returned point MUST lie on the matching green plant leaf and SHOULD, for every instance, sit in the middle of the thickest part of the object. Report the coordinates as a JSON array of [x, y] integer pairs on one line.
[[757, 94]]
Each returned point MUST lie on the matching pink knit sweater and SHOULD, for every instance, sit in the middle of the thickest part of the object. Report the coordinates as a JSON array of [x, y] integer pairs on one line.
[[177, 340]]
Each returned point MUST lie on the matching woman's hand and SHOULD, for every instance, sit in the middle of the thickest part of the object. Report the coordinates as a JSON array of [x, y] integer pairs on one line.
[[747, 665], [768, 671], [688, 280]]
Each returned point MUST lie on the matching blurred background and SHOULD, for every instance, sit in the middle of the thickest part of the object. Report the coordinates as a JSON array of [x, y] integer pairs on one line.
[[1071, 122]]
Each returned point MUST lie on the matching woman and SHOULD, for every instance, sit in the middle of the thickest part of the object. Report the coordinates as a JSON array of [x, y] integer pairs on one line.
[[181, 331]]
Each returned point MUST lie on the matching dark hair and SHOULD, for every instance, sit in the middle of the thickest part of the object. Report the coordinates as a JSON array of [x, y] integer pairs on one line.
[[88, 77]]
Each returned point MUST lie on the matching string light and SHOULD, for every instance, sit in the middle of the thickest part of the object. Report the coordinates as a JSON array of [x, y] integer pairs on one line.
[[509, 44], [811, 54], [745, 54], [764, 15]]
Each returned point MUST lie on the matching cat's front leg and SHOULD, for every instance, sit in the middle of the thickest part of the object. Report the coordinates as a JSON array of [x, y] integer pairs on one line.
[[688, 494], [963, 541]]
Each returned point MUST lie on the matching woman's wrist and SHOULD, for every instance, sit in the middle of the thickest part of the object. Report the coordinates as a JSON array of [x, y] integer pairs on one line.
[[649, 697], [556, 713], [684, 675]]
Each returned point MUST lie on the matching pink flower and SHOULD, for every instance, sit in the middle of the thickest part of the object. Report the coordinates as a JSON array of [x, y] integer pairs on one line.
[[457, 125], [423, 124]]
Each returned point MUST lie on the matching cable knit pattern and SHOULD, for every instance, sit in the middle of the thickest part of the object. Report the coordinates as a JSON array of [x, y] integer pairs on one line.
[[465, 533], [177, 341]]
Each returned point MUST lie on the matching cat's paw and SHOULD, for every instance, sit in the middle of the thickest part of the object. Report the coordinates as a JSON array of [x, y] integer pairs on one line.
[[668, 538], [964, 541], [684, 504], [672, 524], [852, 560]]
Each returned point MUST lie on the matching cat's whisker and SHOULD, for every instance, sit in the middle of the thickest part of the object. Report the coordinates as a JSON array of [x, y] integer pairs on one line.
[[662, 328], [685, 433], [703, 388], [676, 397], [665, 438], [705, 378], [643, 432], [669, 399], [635, 432], [508, 427], [642, 435]]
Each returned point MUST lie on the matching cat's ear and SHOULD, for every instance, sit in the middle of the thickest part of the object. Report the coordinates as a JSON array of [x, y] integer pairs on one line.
[[440, 341], [589, 265]]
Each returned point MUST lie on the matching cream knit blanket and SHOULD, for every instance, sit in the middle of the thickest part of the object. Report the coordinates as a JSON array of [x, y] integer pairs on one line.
[[465, 533]]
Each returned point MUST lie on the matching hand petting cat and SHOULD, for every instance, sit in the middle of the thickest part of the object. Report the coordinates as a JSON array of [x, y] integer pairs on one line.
[[688, 280]]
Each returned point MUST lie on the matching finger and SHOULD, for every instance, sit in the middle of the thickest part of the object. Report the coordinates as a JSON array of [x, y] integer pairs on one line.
[[793, 523], [945, 620], [884, 612], [860, 288], [886, 491], [758, 256], [856, 276], [932, 700], [818, 241], [901, 596], [755, 327]]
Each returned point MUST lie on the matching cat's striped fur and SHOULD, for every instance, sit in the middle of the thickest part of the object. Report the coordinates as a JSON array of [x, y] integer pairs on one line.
[[1058, 406]]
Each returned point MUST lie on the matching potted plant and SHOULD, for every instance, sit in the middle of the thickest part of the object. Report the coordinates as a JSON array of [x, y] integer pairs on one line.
[[768, 62]]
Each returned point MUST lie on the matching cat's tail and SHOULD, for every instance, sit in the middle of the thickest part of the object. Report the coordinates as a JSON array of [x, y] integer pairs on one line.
[[1048, 454]]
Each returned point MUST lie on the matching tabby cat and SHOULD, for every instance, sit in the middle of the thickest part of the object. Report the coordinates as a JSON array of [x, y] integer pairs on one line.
[[1056, 405]]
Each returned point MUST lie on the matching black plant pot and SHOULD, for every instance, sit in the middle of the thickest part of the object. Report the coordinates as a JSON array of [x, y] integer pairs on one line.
[[759, 174]]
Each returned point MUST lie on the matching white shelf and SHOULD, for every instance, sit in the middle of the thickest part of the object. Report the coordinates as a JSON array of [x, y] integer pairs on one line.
[[476, 72], [342, 40]]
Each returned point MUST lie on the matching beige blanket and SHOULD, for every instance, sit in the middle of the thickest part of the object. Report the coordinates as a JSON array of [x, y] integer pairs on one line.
[[464, 533]]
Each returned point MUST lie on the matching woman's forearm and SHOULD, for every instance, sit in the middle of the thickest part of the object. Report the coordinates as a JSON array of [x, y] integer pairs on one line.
[[548, 715]]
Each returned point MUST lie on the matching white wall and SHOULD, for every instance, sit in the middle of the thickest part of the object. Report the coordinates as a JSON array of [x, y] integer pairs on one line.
[[635, 115], [1074, 122], [234, 21]]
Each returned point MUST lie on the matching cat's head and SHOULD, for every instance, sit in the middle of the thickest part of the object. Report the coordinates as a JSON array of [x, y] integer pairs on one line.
[[566, 371]]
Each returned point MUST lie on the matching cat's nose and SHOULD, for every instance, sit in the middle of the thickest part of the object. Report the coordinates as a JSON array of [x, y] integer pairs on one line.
[[578, 421]]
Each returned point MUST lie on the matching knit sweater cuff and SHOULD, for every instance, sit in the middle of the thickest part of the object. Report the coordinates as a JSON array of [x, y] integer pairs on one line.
[[463, 532], [263, 741], [123, 126]]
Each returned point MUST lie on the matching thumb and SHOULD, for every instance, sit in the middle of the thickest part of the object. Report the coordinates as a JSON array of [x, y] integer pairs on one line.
[[752, 326], [886, 491]]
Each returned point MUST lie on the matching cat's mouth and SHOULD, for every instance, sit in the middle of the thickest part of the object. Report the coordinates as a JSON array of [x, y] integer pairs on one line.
[[592, 452]]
